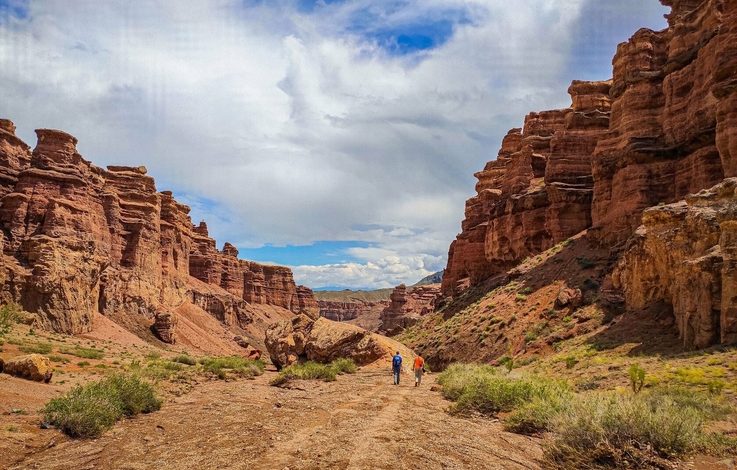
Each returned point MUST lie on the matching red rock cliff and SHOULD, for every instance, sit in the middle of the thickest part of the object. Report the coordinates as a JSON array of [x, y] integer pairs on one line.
[[536, 193], [407, 306], [80, 240], [663, 128]]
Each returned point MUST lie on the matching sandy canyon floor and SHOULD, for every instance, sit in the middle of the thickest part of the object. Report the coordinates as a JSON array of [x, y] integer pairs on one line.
[[361, 421]]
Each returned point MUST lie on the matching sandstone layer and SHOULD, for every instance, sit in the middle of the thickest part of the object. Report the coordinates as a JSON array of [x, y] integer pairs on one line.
[[407, 306], [685, 256], [664, 127], [79, 240], [535, 194]]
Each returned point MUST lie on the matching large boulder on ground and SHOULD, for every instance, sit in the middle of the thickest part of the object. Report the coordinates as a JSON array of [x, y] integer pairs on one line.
[[323, 340], [32, 367]]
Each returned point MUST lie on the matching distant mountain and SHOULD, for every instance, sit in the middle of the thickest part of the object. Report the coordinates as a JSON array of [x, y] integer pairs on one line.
[[434, 278]]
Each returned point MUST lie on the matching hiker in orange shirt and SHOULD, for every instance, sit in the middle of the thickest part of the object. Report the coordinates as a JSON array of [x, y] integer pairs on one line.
[[419, 368]]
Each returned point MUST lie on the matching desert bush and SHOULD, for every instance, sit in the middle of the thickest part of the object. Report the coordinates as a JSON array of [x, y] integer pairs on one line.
[[538, 414], [9, 316], [87, 411], [36, 348], [344, 366], [480, 389], [85, 353], [57, 358], [609, 429], [637, 377], [314, 371], [222, 367], [185, 359]]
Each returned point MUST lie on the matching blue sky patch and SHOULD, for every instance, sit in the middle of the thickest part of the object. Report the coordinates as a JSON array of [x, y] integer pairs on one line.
[[16, 8], [322, 252], [422, 33]]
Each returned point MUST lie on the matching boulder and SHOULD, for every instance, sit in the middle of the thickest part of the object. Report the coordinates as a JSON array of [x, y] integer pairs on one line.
[[323, 340], [251, 352], [31, 367], [568, 297]]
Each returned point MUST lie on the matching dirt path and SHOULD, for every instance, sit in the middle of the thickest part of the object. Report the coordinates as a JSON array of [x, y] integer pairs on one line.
[[359, 422]]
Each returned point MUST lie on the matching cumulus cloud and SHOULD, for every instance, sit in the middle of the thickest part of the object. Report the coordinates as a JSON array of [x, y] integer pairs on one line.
[[285, 124]]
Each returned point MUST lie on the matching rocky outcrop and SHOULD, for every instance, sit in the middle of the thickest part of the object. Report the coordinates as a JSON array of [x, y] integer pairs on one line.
[[673, 116], [623, 155], [407, 306], [252, 282], [15, 156], [78, 240], [684, 256], [165, 325], [323, 340], [535, 194], [30, 367], [250, 351], [339, 310]]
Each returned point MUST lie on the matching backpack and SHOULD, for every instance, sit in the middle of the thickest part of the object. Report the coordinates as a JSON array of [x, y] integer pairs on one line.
[[397, 361]]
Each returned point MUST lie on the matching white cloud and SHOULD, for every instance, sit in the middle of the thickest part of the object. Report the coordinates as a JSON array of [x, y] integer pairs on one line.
[[295, 128]]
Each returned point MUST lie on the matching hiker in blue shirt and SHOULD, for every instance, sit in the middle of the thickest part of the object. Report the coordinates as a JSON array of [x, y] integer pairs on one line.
[[396, 367]]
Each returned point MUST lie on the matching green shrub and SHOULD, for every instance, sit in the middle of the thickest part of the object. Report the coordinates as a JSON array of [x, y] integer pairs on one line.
[[9, 315], [608, 429], [87, 411], [314, 371], [538, 414], [637, 377], [507, 362], [83, 363], [57, 358], [36, 348], [85, 353], [184, 359], [240, 366], [478, 388], [571, 362], [344, 366]]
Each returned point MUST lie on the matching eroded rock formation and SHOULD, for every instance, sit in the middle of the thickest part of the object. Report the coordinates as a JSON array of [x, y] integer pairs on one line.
[[79, 240], [664, 127], [407, 306], [685, 256], [323, 340], [673, 111], [536, 193]]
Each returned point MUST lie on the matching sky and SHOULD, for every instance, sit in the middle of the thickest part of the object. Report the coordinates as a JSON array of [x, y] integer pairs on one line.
[[337, 137]]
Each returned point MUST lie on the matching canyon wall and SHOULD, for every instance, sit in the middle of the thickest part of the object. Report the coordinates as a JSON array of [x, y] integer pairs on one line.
[[664, 127], [407, 305], [537, 192], [79, 240]]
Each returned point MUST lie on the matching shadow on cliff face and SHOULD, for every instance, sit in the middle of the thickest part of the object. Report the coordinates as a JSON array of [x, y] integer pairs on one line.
[[652, 329]]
